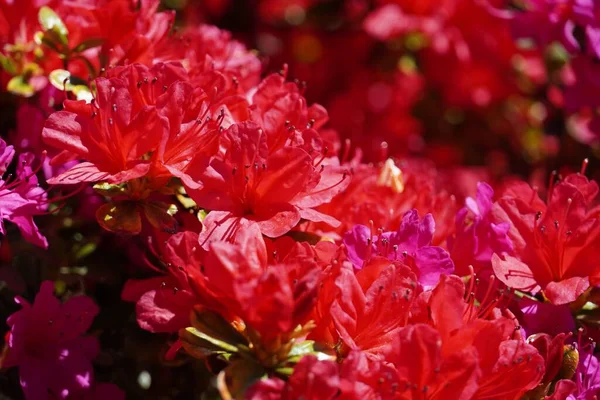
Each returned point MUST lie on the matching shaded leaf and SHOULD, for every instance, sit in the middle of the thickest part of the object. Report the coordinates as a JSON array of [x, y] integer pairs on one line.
[[197, 343], [59, 78], [121, 217], [110, 190], [214, 325], [160, 215], [240, 375], [17, 85], [88, 44], [7, 65], [51, 22]]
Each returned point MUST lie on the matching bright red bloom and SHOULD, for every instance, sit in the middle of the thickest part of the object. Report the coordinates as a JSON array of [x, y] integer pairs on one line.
[[556, 242], [195, 119], [312, 379], [212, 58], [114, 134], [357, 377], [185, 121], [384, 193], [163, 303], [368, 308], [129, 31], [424, 372], [238, 281], [249, 184], [281, 110], [499, 355]]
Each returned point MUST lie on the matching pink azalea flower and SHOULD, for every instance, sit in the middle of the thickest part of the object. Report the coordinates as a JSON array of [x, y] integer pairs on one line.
[[411, 244], [547, 21], [47, 345], [21, 198], [477, 238], [547, 318]]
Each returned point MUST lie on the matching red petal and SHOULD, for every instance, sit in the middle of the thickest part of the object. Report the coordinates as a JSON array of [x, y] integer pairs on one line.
[[567, 290], [514, 273]]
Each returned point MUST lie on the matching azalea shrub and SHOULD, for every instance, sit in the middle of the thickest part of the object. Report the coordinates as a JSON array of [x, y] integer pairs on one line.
[[299, 199]]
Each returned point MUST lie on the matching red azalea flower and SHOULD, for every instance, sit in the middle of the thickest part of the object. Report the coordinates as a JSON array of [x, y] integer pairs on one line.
[[249, 184], [130, 33], [461, 327], [423, 372], [368, 308], [195, 120], [210, 54], [114, 134], [280, 108], [312, 379], [381, 194], [237, 281], [357, 377], [556, 242], [163, 303]]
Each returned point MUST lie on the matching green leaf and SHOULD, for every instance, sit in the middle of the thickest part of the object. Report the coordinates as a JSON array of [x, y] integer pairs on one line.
[[199, 345], [109, 190], [302, 349], [49, 42], [160, 215], [88, 44], [60, 79], [195, 337], [51, 22], [20, 87], [83, 93], [214, 325], [240, 375], [120, 217], [7, 65], [305, 348], [85, 250]]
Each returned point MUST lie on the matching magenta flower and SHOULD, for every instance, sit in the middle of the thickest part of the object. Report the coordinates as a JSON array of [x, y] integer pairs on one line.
[[411, 244], [572, 23], [20, 197], [477, 237], [547, 318], [587, 378], [47, 345]]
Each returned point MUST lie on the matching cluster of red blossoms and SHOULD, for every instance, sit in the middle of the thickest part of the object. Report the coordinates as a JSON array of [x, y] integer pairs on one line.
[[265, 256]]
